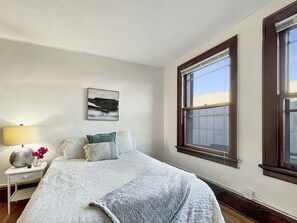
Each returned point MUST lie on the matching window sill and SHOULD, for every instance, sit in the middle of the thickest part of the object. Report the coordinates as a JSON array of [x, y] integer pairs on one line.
[[209, 156], [280, 173]]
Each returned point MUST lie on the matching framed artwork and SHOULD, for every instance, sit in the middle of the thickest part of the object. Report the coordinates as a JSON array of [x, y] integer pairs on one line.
[[103, 105]]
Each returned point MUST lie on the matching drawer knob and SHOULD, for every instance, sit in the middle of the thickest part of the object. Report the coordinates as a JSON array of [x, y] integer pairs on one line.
[[26, 176]]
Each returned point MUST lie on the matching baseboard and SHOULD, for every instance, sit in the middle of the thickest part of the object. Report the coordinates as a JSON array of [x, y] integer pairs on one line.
[[3, 190], [248, 208]]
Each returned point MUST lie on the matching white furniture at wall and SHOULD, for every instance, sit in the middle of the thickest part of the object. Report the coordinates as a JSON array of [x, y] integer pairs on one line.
[[22, 175]]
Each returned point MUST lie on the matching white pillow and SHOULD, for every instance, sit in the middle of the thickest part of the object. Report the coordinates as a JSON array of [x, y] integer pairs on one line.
[[124, 141], [134, 141], [101, 151], [72, 148]]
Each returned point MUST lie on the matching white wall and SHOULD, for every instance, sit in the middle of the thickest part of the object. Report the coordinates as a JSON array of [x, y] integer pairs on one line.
[[278, 194], [47, 87]]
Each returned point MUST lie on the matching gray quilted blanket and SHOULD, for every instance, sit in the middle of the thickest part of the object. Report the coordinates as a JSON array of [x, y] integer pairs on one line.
[[156, 196]]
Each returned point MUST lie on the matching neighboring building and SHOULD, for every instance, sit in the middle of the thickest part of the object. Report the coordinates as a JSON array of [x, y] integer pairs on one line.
[[210, 126]]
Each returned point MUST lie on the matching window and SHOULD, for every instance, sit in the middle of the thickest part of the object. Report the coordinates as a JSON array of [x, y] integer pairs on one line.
[[288, 96], [207, 95], [280, 95]]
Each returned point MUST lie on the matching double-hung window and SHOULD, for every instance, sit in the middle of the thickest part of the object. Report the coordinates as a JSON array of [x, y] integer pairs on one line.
[[207, 93], [288, 96], [280, 95]]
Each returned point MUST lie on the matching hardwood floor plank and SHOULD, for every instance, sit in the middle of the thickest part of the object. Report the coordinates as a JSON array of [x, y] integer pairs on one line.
[[16, 210], [3, 211], [232, 216]]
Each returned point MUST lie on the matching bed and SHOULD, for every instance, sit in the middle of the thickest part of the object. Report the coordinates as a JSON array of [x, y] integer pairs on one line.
[[64, 193]]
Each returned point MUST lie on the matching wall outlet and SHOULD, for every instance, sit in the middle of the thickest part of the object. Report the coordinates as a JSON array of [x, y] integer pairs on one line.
[[249, 193]]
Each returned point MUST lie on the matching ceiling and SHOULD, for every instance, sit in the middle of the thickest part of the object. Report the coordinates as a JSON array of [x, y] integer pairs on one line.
[[150, 32]]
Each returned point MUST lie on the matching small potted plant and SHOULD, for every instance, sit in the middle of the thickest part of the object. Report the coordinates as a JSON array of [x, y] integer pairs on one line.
[[38, 155]]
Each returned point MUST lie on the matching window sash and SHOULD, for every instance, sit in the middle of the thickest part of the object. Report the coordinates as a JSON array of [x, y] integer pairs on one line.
[[207, 106], [284, 95], [200, 147]]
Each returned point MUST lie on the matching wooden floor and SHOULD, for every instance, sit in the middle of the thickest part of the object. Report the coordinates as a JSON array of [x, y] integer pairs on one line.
[[17, 208], [233, 216]]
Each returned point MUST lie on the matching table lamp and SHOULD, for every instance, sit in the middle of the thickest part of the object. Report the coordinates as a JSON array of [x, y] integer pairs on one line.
[[20, 135]]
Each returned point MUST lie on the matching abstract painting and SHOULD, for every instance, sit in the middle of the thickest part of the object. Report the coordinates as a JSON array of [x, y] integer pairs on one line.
[[103, 105]]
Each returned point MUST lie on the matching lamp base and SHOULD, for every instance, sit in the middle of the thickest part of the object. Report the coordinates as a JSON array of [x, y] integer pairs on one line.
[[21, 157]]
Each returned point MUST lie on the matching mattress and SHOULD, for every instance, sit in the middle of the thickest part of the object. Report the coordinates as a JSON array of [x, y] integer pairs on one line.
[[64, 193]]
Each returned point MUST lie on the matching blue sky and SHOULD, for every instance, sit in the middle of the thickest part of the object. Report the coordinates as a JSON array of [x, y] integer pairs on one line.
[[293, 55], [293, 34], [217, 81]]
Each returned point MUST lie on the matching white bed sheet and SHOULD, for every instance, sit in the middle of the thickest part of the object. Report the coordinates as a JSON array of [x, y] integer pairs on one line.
[[69, 186]]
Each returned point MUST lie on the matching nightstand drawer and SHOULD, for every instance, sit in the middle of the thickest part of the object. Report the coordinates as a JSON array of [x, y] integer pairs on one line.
[[24, 177]]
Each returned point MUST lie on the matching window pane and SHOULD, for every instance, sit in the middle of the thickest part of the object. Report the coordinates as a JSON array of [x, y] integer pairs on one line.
[[292, 61], [208, 128], [290, 127], [209, 85], [293, 35]]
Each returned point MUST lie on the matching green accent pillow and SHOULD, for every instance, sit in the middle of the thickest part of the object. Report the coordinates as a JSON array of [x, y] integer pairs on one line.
[[105, 137]]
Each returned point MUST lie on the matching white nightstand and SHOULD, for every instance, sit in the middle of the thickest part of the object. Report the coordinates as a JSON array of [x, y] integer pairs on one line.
[[22, 175]]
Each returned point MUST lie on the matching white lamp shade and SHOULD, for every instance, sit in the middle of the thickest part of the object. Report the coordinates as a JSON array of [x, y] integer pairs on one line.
[[19, 135]]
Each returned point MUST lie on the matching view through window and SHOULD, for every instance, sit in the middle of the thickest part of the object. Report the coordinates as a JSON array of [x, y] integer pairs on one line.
[[207, 105], [207, 113], [290, 101]]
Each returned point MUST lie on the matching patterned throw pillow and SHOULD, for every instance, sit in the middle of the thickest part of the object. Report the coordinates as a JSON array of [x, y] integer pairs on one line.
[[105, 137], [72, 148], [101, 151]]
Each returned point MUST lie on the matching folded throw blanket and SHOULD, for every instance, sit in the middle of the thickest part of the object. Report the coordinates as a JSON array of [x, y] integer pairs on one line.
[[156, 196]]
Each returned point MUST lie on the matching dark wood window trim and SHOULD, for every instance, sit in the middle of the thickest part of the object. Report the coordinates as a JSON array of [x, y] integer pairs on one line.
[[229, 159], [272, 126]]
